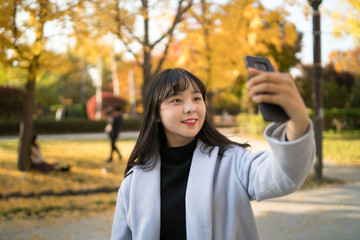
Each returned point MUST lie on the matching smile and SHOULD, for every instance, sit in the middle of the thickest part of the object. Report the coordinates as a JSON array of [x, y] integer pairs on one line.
[[190, 122]]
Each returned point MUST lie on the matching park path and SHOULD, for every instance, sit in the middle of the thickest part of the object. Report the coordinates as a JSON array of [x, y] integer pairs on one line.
[[330, 213]]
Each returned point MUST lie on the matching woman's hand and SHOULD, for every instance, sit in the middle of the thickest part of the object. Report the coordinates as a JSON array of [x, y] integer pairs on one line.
[[281, 90]]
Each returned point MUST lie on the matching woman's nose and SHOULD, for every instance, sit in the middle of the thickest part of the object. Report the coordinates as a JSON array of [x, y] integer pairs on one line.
[[189, 107]]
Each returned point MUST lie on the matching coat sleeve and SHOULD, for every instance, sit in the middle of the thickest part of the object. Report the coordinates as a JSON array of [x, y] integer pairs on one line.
[[279, 172], [120, 227]]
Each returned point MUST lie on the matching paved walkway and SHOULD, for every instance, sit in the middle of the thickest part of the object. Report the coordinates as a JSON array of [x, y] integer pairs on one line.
[[331, 213]]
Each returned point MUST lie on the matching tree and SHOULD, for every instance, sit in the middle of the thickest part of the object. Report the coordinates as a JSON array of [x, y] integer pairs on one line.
[[222, 35], [338, 86], [75, 83], [23, 40], [94, 24], [11, 99], [147, 40], [120, 21], [349, 21], [346, 61], [355, 99], [205, 21]]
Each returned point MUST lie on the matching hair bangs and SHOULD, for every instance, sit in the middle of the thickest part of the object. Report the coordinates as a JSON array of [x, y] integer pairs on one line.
[[178, 81]]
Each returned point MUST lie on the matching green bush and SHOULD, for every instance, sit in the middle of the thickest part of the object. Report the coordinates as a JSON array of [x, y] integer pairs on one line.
[[11, 101], [339, 119], [251, 124], [76, 111], [335, 118], [75, 125]]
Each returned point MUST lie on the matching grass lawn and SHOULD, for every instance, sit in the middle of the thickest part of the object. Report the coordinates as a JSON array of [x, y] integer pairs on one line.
[[342, 148], [90, 171]]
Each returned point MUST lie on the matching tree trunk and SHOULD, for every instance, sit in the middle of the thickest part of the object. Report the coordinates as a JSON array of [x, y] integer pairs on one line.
[[27, 123], [206, 30], [148, 71], [146, 76], [147, 54], [114, 74]]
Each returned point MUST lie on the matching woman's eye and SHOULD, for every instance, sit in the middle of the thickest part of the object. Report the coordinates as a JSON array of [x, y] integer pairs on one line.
[[176, 100], [198, 99]]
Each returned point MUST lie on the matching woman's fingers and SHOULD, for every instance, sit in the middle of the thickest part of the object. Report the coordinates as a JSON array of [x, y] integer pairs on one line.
[[275, 88], [269, 86], [267, 77], [280, 89]]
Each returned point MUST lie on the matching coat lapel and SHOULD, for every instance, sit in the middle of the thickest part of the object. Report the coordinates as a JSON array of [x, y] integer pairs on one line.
[[199, 194], [145, 195]]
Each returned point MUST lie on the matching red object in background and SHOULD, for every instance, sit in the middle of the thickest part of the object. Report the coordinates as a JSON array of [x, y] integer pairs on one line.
[[108, 100]]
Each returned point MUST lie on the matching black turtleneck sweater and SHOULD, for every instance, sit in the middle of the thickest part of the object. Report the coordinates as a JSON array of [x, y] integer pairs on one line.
[[175, 167]]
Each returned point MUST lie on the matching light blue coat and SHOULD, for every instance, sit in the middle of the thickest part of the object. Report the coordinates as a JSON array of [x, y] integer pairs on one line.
[[219, 190]]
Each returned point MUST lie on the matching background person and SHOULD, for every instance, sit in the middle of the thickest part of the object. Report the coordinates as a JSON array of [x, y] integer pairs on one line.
[[113, 128], [38, 160]]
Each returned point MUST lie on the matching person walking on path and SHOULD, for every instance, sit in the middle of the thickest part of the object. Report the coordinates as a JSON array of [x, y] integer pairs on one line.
[[113, 129], [186, 180]]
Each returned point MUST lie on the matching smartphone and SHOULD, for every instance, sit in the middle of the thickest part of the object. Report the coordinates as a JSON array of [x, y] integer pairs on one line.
[[270, 112]]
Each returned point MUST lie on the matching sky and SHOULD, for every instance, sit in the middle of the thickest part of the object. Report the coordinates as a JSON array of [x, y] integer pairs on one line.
[[328, 42]]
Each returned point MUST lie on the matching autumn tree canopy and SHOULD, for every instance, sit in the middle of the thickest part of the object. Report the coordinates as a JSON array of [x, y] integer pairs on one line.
[[25, 36], [218, 37], [207, 39], [237, 29], [346, 60], [348, 22]]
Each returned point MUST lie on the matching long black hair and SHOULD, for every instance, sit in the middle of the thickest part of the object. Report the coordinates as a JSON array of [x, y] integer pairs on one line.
[[152, 135]]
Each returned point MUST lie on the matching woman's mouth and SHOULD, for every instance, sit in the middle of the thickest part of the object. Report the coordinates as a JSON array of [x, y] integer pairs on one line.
[[189, 122]]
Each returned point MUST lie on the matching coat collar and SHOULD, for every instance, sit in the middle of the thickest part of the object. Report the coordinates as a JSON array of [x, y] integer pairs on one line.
[[145, 195], [199, 193]]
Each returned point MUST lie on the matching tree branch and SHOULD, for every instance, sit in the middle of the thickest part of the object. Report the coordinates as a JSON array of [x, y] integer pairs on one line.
[[169, 34], [180, 11], [16, 31], [131, 51]]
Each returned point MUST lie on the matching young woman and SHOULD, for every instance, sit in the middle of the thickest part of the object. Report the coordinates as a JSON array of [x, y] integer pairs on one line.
[[38, 161], [185, 180]]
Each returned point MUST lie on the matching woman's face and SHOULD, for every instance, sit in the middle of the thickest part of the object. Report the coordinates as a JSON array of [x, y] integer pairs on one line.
[[182, 116]]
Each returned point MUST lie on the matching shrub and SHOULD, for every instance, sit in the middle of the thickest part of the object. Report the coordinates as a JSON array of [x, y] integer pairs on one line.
[[251, 124], [11, 101], [71, 125], [338, 118]]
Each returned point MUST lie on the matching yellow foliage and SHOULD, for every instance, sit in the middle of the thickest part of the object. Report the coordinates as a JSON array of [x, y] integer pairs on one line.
[[237, 29], [349, 21], [346, 61]]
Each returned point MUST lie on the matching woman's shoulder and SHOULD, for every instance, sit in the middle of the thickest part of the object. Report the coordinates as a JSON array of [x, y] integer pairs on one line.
[[132, 178], [233, 149], [129, 175], [126, 183]]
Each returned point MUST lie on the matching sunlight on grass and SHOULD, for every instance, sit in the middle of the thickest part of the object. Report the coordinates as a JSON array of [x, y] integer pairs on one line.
[[90, 171], [342, 148], [88, 164], [55, 205]]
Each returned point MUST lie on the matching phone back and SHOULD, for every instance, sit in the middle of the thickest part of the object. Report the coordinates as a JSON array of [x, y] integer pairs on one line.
[[270, 112]]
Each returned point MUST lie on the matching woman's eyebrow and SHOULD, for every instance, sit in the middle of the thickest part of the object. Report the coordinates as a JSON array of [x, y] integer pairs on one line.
[[172, 94]]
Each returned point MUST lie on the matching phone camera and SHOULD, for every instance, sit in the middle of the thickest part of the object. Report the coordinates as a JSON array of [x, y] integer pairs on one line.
[[260, 66]]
